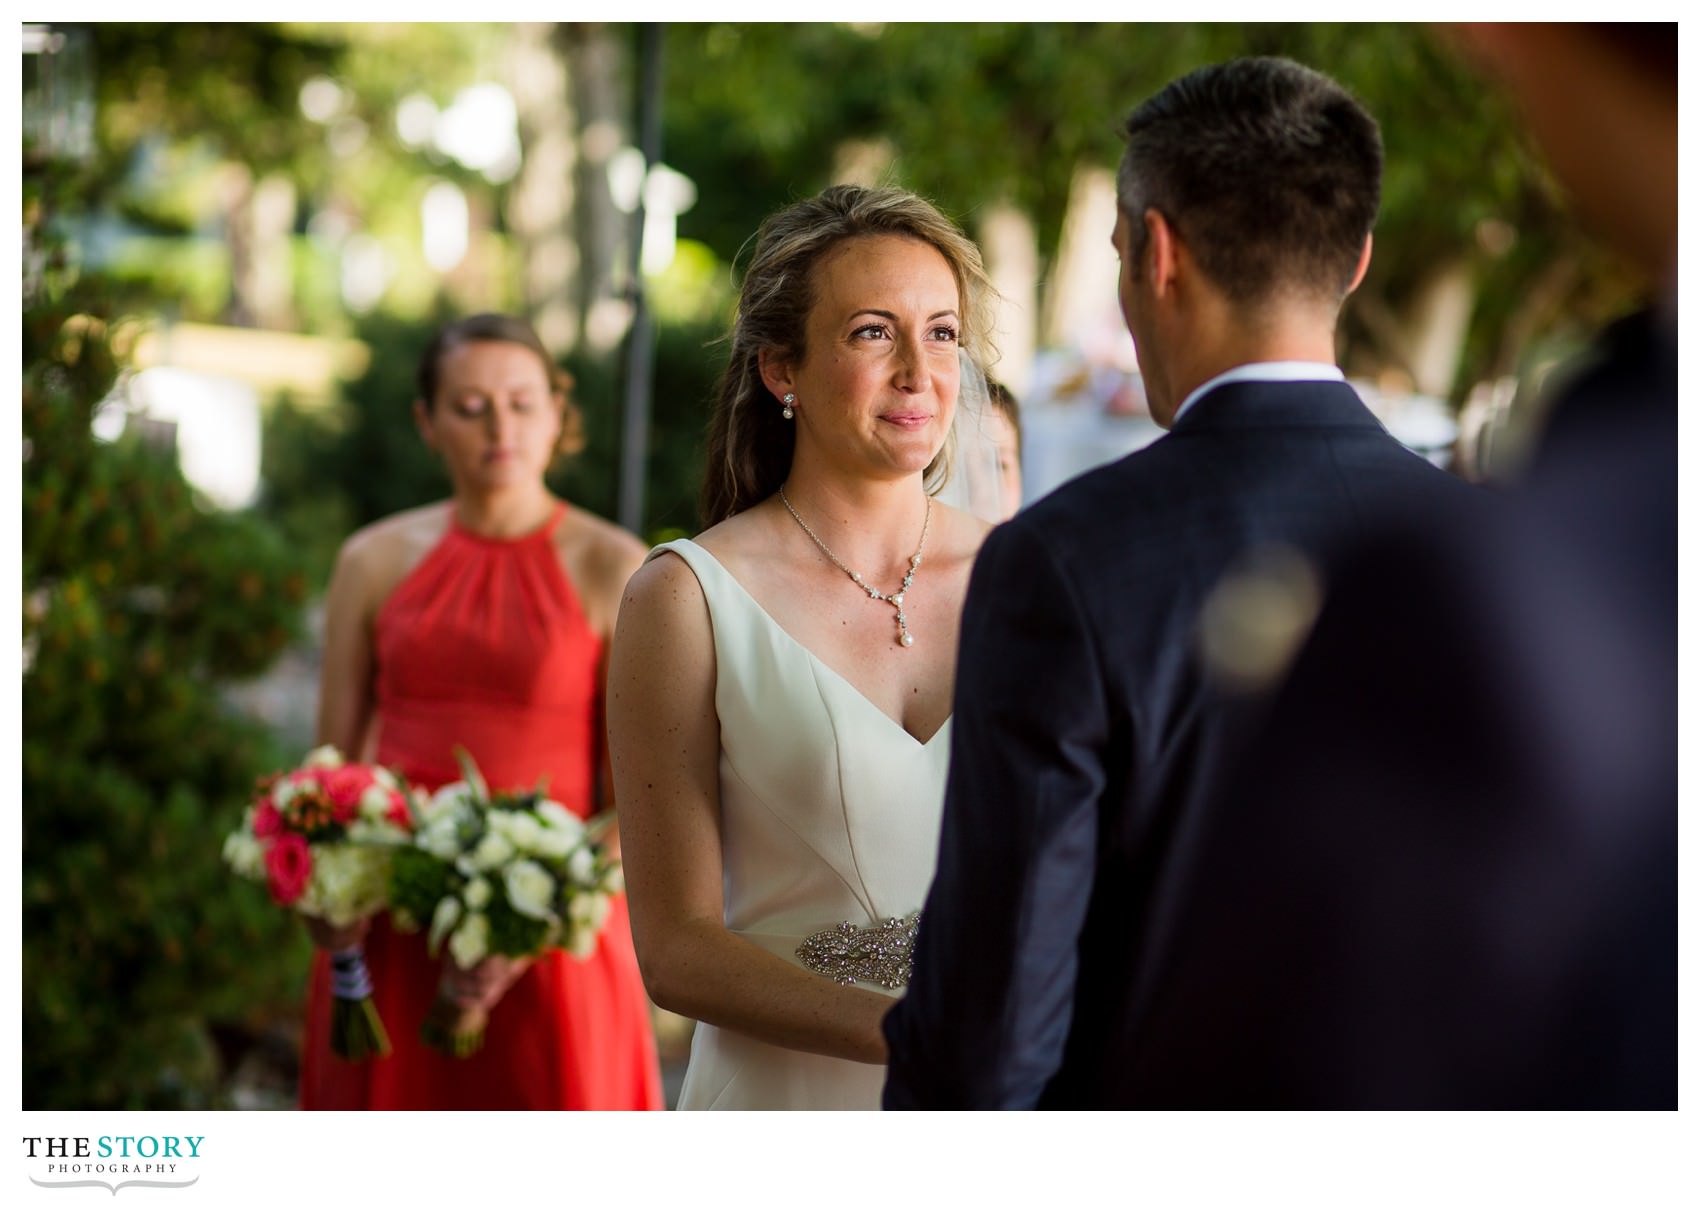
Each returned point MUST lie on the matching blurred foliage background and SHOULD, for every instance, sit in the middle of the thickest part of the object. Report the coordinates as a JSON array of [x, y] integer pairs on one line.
[[276, 216]]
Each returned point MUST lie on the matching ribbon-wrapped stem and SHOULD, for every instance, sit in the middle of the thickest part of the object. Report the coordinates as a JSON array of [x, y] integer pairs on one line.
[[357, 1033]]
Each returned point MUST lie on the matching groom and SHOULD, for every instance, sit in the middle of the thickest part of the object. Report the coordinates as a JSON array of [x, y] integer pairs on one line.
[[1447, 874], [1119, 635]]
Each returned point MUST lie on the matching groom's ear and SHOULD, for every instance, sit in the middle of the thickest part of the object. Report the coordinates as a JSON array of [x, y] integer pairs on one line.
[[776, 369], [1162, 252], [1363, 264]]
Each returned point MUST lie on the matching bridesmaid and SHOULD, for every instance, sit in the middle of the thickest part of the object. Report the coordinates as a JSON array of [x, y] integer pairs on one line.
[[484, 621]]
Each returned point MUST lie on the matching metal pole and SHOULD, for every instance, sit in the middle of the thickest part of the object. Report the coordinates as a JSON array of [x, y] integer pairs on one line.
[[640, 347]]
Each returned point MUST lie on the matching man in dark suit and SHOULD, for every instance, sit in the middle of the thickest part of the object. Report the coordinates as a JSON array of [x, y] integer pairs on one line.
[[1118, 634], [1446, 875]]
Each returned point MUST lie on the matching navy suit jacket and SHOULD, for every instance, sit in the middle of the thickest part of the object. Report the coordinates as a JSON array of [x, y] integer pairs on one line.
[[1446, 873], [1087, 730]]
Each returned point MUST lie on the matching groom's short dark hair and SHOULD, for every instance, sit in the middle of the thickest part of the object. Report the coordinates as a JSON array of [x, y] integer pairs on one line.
[[1269, 171]]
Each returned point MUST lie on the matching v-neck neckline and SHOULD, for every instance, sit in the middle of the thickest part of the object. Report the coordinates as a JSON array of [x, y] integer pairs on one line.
[[813, 656]]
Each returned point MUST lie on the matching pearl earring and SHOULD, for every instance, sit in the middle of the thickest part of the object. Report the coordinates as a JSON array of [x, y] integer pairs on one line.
[[788, 399]]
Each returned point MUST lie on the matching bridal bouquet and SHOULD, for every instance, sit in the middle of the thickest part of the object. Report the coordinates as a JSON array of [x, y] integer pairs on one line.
[[321, 837], [498, 874]]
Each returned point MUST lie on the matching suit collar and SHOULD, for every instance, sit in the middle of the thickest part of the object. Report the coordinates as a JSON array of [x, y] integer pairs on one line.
[[1269, 405], [1285, 371]]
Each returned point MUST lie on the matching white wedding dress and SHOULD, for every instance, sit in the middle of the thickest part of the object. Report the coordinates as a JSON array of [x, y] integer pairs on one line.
[[829, 814]]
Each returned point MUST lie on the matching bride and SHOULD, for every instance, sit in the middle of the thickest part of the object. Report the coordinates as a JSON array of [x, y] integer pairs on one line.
[[780, 688]]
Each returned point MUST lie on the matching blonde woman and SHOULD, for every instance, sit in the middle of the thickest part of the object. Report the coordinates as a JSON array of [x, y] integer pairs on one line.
[[780, 687]]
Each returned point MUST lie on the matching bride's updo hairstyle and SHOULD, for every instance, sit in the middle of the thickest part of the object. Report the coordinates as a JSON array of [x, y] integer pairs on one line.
[[749, 443], [490, 326]]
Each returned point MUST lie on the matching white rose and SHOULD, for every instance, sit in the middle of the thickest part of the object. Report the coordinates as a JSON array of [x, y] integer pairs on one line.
[[471, 940], [529, 889], [375, 803], [614, 880], [581, 866], [443, 918], [283, 791], [589, 911], [491, 852], [449, 800], [554, 843], [245, 855], [385, 779], [520, 828], [324, 755], [476, 894], [558, 816], [439, 838]]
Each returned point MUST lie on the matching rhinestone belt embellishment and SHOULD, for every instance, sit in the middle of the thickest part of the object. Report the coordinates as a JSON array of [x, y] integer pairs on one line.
[[880, 955]]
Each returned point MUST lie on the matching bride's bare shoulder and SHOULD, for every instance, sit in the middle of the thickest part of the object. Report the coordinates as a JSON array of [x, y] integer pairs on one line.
[[734, 543], [663, 608]]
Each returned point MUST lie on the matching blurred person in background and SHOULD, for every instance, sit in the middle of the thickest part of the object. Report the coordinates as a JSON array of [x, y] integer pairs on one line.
[[781, 686], [1003, 420], [1447, 875], [484, 621]]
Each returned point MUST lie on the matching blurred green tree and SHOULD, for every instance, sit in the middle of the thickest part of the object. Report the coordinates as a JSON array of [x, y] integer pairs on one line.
[[1476, 252], [140, 951]]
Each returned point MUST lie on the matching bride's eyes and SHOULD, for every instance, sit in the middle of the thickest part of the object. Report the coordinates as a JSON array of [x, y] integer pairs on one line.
[[877, 332]]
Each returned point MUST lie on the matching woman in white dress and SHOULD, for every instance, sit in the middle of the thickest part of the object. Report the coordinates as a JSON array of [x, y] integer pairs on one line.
[[780, 688]]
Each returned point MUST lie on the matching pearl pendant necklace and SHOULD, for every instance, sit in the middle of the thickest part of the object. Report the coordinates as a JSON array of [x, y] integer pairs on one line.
[[895, 598]]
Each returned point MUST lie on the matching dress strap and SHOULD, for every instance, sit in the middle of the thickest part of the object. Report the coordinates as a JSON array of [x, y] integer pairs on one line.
[[555, 517]]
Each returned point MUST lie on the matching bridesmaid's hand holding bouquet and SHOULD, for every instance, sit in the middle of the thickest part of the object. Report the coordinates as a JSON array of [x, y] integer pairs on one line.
[[501, 877]]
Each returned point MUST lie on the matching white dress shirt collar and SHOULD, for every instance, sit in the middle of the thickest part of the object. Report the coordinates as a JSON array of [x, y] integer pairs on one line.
[[1265, 372]]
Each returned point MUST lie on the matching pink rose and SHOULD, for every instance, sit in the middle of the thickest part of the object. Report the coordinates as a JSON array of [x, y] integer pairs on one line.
[[268, 821], [345, 785], [288, 864], [398, 814]]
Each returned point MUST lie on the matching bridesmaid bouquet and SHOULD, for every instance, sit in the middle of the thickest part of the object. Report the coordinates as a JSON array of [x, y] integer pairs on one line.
[[320, 838], [498, 874]]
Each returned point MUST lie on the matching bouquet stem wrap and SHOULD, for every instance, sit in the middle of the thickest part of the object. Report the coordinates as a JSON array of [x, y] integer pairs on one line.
[[357, 1033]]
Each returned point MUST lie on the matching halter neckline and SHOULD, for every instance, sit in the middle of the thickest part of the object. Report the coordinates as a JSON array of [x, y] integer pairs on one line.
[[542, 531]]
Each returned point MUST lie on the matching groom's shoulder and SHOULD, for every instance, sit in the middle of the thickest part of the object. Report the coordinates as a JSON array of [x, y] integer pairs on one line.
[[1088, 519], [1102, 497]]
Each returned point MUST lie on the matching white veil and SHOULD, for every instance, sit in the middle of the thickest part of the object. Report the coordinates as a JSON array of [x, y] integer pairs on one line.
[[973, 483]]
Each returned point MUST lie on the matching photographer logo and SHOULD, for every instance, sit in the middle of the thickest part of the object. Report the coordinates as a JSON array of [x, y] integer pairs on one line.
[[113, 1162]]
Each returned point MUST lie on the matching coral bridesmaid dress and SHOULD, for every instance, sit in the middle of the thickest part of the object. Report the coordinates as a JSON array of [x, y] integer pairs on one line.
[[484, 645]]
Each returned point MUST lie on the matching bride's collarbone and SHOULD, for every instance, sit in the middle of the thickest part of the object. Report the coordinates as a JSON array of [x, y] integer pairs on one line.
[[859, 639], [856, 636]]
